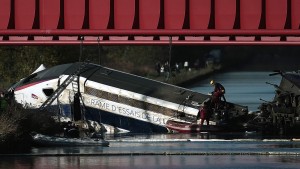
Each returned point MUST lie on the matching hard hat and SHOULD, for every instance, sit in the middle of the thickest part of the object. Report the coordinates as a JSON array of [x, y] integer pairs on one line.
[[212, 82]]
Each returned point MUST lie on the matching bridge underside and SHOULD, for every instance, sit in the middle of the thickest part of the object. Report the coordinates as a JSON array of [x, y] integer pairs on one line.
[[150, 22], [150, 37]]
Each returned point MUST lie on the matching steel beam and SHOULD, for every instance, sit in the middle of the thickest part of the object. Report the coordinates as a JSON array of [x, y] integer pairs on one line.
[[144, 42], [154, 32]]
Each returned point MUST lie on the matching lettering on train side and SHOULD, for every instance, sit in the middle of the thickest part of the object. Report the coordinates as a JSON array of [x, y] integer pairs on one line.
[[119, 109]]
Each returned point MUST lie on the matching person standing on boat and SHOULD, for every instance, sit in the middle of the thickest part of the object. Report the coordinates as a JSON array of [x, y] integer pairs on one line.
[[203, 114], [217, 94]]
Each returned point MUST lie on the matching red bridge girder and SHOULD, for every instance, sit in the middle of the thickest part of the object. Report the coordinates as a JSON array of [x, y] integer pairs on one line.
[[149, 22]]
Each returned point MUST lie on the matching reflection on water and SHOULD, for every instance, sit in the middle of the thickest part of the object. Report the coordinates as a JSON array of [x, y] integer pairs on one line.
[[201, 150], [129, 162], [153, 153]]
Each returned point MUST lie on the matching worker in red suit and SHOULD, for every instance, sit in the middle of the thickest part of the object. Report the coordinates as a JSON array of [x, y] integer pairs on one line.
[[203, 114], [217, 94]]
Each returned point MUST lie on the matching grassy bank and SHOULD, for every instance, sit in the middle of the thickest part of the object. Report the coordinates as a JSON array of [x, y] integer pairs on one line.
[[16, 125]]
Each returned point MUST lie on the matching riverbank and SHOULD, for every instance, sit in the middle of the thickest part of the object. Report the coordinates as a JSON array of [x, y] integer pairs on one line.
[[187, 77], [17, 124]]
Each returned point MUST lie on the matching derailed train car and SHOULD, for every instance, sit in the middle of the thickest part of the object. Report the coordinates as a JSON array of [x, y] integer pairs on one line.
[[281, 115], [122, 101]]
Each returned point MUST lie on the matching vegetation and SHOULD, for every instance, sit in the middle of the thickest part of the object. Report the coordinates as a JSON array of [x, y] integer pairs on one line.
[[17, 123], [19, 61]]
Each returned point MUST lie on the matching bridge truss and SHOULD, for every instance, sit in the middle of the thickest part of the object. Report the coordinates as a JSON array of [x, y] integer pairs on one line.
[[150, 22]]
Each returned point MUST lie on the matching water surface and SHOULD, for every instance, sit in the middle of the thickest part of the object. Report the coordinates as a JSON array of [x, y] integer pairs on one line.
[[245, 88]]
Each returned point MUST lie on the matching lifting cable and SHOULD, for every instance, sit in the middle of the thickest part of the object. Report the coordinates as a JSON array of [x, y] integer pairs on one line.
[[98, 40], [170, 56], [81, 42]]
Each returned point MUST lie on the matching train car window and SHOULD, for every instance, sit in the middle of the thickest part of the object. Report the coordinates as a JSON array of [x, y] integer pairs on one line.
[[48, 92]]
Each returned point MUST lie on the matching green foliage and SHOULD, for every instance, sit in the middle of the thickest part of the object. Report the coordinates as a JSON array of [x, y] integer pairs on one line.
[[18, 62], [135, 59]]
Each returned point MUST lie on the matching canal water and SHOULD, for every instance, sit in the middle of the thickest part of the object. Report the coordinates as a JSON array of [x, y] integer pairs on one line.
[[184, 151], [245, 88]]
